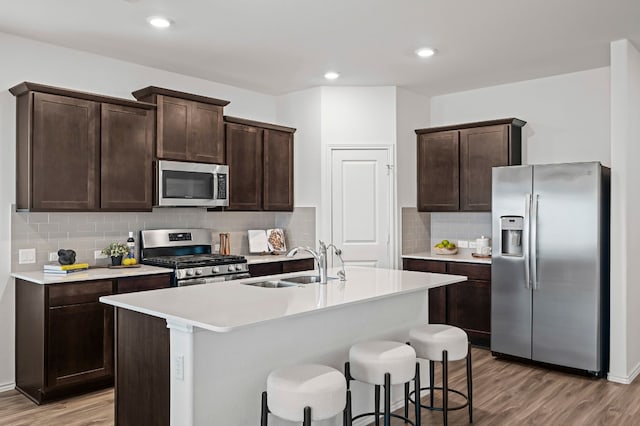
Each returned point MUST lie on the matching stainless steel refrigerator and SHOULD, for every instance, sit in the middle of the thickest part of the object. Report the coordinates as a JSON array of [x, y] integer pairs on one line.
[[550, 266]]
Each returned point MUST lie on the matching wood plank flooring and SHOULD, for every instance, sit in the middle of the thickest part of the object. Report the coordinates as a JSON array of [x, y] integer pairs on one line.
[[505, 393]]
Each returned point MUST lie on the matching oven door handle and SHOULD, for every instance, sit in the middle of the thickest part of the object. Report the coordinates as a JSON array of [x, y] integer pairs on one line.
[[194, 281]]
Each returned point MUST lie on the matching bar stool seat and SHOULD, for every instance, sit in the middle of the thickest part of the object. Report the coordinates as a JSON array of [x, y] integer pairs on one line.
[[442, 343], [304, 392]]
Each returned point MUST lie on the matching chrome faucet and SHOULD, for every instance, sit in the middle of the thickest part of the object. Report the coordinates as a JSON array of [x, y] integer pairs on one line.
[[320, 256], [321, 259]]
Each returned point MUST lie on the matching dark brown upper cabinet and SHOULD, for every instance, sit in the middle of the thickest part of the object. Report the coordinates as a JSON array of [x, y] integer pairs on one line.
[[454, 163], [80, 151], [188, 127], [260, 159]]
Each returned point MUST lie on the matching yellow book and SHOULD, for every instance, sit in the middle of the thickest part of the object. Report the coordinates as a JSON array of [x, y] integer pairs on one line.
[[73, 267]]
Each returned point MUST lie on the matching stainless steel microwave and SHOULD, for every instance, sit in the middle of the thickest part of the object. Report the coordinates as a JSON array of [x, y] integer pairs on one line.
[[183, 184]]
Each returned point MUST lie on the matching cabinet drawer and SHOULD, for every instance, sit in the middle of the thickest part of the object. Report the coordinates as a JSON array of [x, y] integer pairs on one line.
[[262, 269], [424, 265], [473, 271], [148, 282], [298, 265], [80, 292]]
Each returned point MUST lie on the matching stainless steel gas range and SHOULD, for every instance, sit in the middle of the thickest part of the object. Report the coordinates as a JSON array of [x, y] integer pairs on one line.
[[188, 252]]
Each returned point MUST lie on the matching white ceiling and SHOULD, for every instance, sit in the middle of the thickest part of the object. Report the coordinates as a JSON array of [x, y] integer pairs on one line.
[[279, 46]]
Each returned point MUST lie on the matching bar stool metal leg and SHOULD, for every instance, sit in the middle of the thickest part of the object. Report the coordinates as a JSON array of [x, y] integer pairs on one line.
[[469, 385], [376, 402], [387, 399], [346, 421], [416, 383], [307, 416], [432, 374], [445, 386], [264, 413], [406, 400]]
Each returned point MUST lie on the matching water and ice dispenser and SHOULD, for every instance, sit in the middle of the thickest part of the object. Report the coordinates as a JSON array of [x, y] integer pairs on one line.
[[511, 228]]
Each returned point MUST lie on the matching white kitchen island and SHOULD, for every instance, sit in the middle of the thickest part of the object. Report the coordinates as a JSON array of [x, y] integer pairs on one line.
[[225, 338]]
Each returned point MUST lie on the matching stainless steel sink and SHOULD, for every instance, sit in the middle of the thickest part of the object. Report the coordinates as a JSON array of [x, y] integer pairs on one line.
[[305, 279], [271, 284]]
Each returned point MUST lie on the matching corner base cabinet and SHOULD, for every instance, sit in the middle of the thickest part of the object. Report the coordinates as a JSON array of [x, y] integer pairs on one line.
[[64, 335], [467, 304]]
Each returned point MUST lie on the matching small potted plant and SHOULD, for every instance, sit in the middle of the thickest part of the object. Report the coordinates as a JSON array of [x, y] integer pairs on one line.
[[116, 250]]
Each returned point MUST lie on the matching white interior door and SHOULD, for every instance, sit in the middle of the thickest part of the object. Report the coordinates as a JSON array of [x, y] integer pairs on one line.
[[361, 205]]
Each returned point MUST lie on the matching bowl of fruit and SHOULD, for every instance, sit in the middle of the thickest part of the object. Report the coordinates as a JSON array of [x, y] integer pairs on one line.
[[445, 247]]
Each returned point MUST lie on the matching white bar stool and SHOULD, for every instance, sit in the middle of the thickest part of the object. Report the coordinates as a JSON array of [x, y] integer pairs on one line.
[[304, 393], [442, 343], [384, 363]]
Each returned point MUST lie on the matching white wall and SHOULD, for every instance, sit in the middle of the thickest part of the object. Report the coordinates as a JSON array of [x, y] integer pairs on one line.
[[625, 227], [412, 113], [27, 60], [567, 115], [302, 109]]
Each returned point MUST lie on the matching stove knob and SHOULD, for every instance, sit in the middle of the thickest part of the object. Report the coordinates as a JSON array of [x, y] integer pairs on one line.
[[215, 269], [232, 268], [189, 272], [198, 271]]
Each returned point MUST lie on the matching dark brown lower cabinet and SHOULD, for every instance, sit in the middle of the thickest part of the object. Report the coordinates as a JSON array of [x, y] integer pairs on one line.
[[281, 267], [65, 336], [467, 304], [143, 381]]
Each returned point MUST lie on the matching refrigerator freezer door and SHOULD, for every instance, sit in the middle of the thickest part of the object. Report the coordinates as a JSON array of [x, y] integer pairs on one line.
[[566, 297], [510, 292]]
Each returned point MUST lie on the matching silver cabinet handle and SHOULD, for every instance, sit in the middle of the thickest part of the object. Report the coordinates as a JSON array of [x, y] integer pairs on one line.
[[527, 270], [534, 243]]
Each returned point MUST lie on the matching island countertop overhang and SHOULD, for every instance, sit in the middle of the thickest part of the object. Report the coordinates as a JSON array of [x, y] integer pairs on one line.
[[226, 306]]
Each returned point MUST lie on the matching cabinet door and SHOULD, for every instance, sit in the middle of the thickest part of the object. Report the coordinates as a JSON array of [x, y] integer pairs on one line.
[[244, 157], [481, 149], [126, 155], [469, 307], [65, 168], [205, 143], [80, 344], [438, 171], [278, 170], [172, 128]]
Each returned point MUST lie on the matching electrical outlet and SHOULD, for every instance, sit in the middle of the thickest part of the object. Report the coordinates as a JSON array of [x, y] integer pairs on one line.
[[98, 255], [27, 256], [463, 243], [53, 256], [179, 367]]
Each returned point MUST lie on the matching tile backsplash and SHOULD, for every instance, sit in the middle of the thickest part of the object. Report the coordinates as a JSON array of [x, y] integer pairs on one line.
[[420, 231], [87, 232], [459, 226]]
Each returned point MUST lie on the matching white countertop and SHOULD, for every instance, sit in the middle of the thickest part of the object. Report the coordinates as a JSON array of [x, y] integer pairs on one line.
[[463, 255], [270, 258], [100, 273], [223, 307]]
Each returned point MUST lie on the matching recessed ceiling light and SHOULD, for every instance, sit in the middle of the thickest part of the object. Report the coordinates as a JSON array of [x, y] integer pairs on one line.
[[331, 75], [425, 52], [159, 21]]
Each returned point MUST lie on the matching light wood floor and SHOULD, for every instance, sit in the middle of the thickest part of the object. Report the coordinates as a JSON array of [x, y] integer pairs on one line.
[[505, 393]]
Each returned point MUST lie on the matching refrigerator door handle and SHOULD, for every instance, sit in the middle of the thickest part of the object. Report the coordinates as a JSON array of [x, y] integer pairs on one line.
[[525, 243], [533, 241]]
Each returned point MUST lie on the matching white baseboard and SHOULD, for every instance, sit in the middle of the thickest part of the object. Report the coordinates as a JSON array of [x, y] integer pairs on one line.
[[366, 420], [7, 387], [625, 380]]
